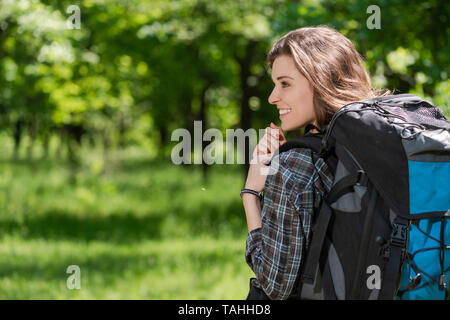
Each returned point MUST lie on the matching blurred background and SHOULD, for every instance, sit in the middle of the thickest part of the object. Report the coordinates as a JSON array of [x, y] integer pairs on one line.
[[86, 117]]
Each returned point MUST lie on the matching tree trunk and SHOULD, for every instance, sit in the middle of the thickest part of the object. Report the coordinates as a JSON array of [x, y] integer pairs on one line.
[[17, 135], [122, 131], [245, 123], [62, 143], [163, 140], [32, 128], [106, 144], [203, 119], [45, 144]]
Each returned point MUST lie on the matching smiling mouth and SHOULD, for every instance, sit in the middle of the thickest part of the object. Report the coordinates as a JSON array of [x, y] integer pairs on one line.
[[284, 112]]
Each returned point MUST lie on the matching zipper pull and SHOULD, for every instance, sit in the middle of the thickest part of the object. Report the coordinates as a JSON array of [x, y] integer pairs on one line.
[[442, 282], [414, 282]]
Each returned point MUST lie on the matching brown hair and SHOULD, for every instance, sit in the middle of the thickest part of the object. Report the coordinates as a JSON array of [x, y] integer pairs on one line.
[[330, 63]]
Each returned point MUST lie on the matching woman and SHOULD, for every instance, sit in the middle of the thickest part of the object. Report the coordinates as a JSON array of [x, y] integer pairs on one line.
[[316, 71]]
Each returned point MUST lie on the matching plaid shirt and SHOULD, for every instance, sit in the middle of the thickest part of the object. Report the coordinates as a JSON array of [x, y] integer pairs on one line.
[[276, 251]]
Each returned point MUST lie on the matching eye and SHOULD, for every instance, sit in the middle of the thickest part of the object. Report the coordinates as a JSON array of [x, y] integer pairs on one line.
[[284, 84]]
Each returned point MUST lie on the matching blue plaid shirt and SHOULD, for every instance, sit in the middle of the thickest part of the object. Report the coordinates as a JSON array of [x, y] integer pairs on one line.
[[276, 250]]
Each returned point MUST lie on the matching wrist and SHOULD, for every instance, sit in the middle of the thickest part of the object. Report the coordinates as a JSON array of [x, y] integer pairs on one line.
[[252, 192], [252, 207], [253, 187], [248, 197]]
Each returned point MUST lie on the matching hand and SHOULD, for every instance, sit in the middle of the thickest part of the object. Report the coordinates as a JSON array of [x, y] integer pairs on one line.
[[262, 155]]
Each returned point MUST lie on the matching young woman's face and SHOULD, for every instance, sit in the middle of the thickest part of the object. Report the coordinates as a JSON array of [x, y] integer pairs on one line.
[[292, 95]]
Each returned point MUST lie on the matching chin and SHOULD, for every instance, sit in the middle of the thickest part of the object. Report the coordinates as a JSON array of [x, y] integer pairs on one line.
[[288, 127]]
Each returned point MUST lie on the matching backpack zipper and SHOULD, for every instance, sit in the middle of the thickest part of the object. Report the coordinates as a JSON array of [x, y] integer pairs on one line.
[[388, 114], [366, 106]]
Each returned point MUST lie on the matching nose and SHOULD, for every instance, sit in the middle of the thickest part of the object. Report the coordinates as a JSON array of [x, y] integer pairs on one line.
[[273, 98]]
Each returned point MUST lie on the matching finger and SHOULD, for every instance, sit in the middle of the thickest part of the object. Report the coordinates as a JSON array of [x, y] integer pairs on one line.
[[264, 159], [272, 133], [267, 155], [271, 140], [261, 148], [280, 131], [261, 155], [275, 133], [274, 144], [264, 143], [274, 126], [258, 159]]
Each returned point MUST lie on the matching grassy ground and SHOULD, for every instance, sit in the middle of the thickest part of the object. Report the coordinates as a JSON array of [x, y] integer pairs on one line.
[[138, 229]]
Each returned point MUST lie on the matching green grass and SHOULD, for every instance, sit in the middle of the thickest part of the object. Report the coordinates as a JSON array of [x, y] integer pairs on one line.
[[137, 228]]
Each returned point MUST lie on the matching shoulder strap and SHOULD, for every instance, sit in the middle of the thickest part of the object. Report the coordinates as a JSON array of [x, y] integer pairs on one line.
[[397, 247], [310, 141]]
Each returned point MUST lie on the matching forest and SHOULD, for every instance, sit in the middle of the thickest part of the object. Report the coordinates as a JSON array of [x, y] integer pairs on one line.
[[90, 95]]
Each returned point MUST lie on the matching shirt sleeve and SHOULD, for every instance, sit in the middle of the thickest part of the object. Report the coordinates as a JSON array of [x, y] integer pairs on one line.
[[275, 251]]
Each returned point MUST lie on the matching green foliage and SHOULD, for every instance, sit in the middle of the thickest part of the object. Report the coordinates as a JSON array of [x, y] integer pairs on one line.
[[179, 61], [87, 112]]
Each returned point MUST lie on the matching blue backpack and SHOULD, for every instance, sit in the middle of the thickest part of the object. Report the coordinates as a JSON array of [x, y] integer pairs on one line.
[[382, 231]]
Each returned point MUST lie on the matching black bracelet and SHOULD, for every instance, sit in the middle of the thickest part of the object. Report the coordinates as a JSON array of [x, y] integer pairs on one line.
[[256, 193]]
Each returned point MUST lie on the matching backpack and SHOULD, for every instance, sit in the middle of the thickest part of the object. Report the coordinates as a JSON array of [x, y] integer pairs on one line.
[[382, 231]]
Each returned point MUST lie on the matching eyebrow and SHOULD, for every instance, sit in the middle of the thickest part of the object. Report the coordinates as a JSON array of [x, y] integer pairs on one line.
[[281, 77]]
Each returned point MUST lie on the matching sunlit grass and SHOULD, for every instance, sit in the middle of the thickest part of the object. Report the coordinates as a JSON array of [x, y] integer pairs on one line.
[[204, 268], [140, 229]]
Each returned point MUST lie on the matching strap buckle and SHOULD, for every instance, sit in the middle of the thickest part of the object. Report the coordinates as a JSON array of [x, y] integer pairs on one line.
[[399, 234], [323, 152], [362, 178]]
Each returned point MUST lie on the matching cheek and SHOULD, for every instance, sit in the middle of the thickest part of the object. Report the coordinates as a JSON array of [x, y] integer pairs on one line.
[[304, 102], [303, 113]]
